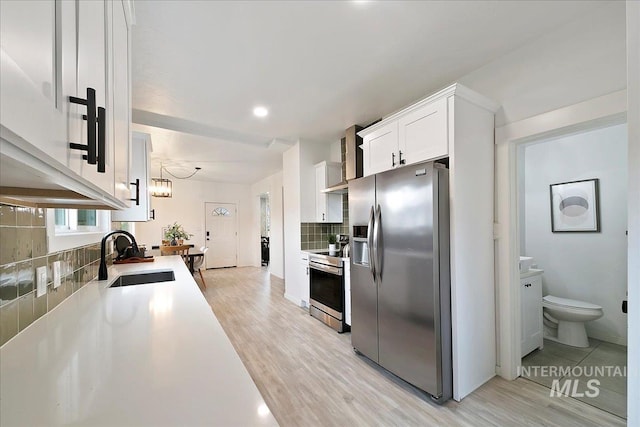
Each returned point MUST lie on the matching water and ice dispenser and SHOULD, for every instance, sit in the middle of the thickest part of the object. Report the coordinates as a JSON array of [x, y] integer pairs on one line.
[[360, 249]]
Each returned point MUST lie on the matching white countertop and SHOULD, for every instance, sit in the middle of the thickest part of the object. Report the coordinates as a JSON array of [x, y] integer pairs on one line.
[[151, 354], [531, 272]]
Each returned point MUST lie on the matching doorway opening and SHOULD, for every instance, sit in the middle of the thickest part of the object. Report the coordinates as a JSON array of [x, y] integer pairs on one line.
[[571, 226], [265, 229], [221, 234]]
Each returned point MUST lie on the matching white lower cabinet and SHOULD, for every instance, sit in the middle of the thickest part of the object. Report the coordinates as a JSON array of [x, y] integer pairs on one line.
[[303, 278], [531, 311], [347, 292]]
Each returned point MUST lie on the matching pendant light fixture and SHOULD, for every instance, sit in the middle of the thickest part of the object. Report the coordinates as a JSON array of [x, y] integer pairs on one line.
[[162, 187]]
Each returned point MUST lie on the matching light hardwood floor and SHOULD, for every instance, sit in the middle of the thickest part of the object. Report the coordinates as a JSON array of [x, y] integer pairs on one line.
[[310, 376]]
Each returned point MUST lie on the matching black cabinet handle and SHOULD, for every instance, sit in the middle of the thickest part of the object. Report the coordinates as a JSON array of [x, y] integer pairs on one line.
[[137, 199], [102, 140], [90, 117], [153, 215], [393, 159], [323, 217], [402, 161]]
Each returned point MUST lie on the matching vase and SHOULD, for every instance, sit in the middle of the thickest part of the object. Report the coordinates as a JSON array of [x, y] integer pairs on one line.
[[332, 247], [174, 242]]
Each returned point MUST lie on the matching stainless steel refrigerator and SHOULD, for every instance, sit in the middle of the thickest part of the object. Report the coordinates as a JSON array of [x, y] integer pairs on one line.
[[400, 285]]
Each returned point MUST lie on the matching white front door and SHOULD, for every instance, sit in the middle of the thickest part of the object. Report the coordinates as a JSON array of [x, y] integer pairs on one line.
[[221, 229]]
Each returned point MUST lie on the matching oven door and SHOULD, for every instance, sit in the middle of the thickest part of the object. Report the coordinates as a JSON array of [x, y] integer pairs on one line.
[[327, 289]]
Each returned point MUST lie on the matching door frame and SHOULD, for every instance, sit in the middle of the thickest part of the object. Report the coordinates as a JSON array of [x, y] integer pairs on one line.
[[259, 226], [205, 228], [595, 113]]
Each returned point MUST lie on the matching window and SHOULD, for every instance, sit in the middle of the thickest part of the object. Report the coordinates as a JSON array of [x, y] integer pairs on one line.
[[70, 228], [76, 220], [220, 212]]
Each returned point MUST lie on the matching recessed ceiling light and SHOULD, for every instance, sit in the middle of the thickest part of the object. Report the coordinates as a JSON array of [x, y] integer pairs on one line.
[[260, 112]]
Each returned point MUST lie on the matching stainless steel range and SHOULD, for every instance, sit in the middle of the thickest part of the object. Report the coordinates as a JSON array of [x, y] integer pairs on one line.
[[327, 289]]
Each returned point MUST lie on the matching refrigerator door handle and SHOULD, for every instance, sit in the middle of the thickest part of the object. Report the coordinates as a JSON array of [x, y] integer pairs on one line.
[[371, 244], [376, 243]]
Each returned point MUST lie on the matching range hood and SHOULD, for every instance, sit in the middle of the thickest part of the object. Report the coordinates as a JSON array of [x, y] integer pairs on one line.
[[351, 160]]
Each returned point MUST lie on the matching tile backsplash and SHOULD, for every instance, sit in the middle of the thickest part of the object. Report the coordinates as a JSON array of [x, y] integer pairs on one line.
[[23, 248], [313, 235]]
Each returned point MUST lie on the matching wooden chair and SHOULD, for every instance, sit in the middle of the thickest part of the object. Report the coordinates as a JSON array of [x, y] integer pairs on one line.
[[182, 250]]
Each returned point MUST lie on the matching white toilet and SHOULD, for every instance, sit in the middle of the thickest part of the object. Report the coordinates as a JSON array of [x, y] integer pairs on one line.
[[564, 320]]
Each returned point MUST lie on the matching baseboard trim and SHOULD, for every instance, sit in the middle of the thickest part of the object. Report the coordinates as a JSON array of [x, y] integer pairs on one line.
[[297, 301], [613, 339]]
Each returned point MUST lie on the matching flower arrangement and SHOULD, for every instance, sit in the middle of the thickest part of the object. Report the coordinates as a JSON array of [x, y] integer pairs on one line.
[[174, 233]]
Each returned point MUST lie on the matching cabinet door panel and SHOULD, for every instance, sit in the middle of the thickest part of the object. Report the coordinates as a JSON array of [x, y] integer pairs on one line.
[[423, 133], [68, 63], [92, 72], [27, 36], [381, 149], [328, 205], [321, 198], [531, 312], [30, 102], [140, 158], [121, 101]]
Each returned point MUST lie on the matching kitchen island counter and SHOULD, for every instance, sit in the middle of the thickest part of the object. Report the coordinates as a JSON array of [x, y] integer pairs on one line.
[[151, 354]]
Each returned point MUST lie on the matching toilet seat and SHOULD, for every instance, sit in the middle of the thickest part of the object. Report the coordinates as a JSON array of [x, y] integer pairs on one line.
[[553, 301]]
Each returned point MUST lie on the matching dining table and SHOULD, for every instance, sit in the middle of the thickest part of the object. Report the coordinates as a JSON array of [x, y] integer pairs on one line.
[[191, 256]]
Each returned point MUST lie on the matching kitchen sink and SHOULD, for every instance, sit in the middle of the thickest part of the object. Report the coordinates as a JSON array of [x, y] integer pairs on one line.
[[142, 278]]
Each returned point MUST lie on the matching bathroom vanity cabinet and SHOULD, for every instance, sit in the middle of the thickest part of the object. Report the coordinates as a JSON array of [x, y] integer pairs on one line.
[[531, 311]]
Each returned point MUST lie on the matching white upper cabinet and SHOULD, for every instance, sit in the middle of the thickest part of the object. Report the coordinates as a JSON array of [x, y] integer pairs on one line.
[[417, 135], [57, 147], [328, 205], [380, 149], [31, 99], [92, 73], [422, 133], [121, 100], [140, 175]]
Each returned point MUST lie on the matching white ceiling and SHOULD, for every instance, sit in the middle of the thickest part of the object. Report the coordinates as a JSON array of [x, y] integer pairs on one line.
[[199, 68]]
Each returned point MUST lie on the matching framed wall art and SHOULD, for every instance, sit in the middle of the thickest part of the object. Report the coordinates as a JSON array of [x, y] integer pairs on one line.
[[574, 206]]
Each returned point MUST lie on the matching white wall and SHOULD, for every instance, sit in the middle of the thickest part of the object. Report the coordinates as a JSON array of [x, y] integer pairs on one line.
[[580, 61], [271, 185], [187, 208], [590, 267], [298, 181], [291, 215], [577, 62], [633, 117]]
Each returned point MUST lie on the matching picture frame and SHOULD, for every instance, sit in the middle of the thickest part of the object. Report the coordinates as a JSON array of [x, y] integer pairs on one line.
[[575, 206]]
